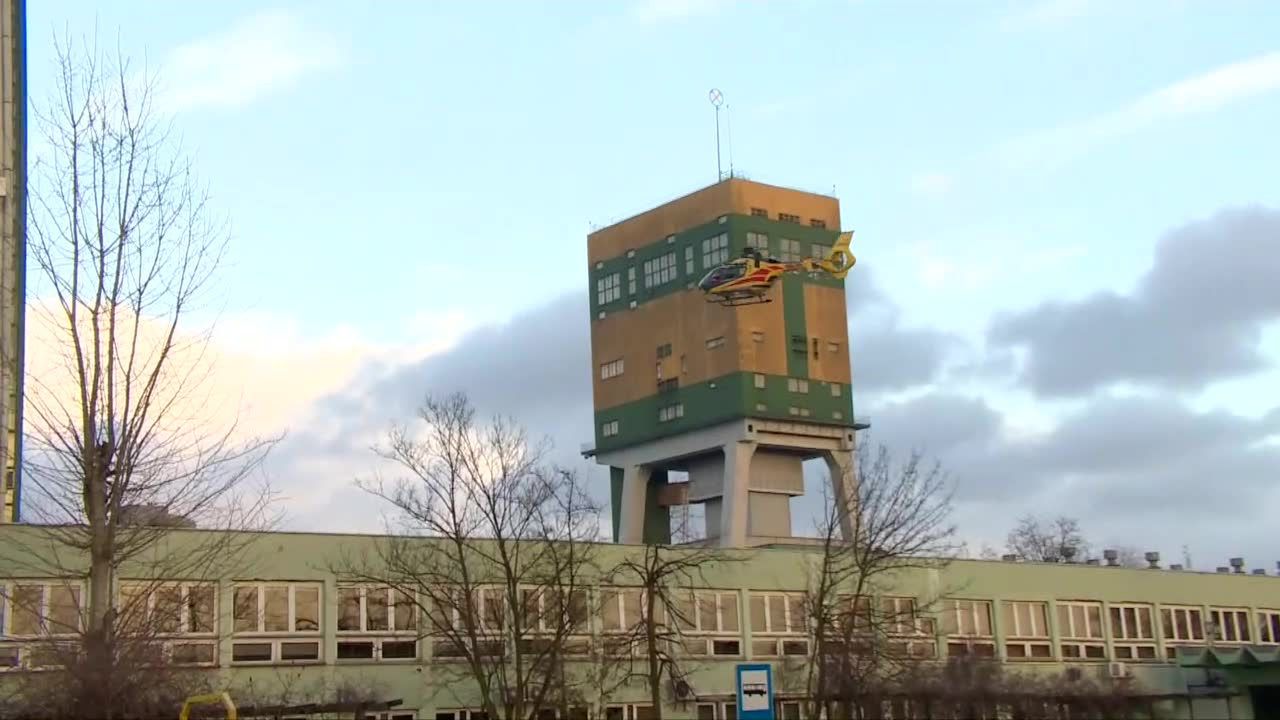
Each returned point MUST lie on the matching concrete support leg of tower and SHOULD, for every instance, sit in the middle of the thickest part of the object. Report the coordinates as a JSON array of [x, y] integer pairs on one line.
[[844, 488], [635, 484], [737, 483]]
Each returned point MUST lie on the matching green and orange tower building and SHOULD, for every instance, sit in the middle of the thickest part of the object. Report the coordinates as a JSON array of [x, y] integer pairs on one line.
[[737, 397]]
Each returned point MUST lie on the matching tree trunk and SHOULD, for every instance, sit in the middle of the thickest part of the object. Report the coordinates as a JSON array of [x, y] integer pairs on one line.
[[655, 668]]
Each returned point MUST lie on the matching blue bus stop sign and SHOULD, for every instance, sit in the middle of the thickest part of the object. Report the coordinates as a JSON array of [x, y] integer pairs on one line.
[[755, 692]]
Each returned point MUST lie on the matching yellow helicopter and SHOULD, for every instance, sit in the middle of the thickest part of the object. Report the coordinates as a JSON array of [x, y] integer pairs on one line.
[[747, 280]]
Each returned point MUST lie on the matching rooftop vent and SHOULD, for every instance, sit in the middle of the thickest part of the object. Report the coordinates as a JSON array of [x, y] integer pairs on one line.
[[1237, 564], [1112, 557], [1153, 560]]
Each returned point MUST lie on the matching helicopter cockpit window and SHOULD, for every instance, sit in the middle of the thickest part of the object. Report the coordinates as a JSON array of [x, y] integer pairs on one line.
[[723, 274]]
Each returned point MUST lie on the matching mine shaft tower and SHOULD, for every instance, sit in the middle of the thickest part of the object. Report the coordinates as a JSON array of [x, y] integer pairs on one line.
[[736, 397]]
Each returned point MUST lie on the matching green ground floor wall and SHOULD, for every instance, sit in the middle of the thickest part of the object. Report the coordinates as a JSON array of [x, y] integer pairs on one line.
[[720, 400]]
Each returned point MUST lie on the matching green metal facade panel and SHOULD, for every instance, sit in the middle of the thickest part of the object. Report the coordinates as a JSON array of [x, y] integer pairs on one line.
[[690, 241], [719, 400], [794, 325]]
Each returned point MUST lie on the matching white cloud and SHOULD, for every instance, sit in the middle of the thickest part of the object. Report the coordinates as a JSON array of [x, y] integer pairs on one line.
[[263, 53], [931, 183], [1202, 93]]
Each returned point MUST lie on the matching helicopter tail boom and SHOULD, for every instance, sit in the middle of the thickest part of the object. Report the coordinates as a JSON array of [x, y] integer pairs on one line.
[[839, 261]]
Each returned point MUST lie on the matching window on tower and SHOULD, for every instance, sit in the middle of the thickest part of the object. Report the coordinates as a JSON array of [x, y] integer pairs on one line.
[[815, 222], [760, 241], [660, 270], [759, 212], [608, 288], [788, 250], [715, 250], [788, 217]]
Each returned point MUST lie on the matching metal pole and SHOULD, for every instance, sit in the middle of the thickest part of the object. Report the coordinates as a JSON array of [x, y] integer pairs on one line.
[[719, 173]]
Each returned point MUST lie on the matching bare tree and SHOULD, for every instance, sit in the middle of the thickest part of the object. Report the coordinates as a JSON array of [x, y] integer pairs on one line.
[[651, 598], [493, 549], [1047, 540], [119, 447], [900, 524]]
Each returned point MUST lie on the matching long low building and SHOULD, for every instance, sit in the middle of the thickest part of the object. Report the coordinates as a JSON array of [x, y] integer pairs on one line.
[[281, 622]]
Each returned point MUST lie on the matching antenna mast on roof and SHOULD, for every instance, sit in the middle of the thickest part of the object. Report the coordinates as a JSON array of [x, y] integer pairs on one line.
[[717, 99]]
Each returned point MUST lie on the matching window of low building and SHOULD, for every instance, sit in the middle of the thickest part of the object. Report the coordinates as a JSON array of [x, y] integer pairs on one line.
[[1181, 626], [182, 617], [708, 622], [1230, 625], [40, 608], [1080, 632], [779, 624], [377, 623], [967, 625], [1269, 626], [1026, 630], [1132, 632], [276, 622]]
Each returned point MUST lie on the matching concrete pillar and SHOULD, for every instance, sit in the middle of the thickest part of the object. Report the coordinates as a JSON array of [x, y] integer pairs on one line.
[[844, 487], [635, 484], [736, 494]]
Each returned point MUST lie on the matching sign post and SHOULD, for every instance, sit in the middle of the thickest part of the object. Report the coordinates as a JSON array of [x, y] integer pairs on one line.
[[755, 692]]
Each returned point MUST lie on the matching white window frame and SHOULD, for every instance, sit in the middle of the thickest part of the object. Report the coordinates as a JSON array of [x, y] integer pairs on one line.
[[820, 251], [631, 280], [660, 270], [277, 639], [789, 250], [688, 260], [1269, 626], [1081, 639], [609, 428], [715, 342], [171, 641], [609, 288], [668, 413], [836, 390], [961, 609], [759, 381], [1132, 646], [7, 589], [612, 369], [758, 240], [786, 641], [1026, 639], [701, 641], [798, 385], [1234, 619], [715, 251]]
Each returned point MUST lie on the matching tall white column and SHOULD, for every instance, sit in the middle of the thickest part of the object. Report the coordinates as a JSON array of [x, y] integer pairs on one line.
[[737, 479], [635, 484]]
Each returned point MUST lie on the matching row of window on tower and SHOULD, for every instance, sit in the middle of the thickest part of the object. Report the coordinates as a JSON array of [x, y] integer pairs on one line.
[[614, 368], [713, 251], [788, 217]]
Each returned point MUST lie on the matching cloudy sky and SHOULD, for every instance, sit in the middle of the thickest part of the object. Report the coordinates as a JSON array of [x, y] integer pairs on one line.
[[1067, 217]]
